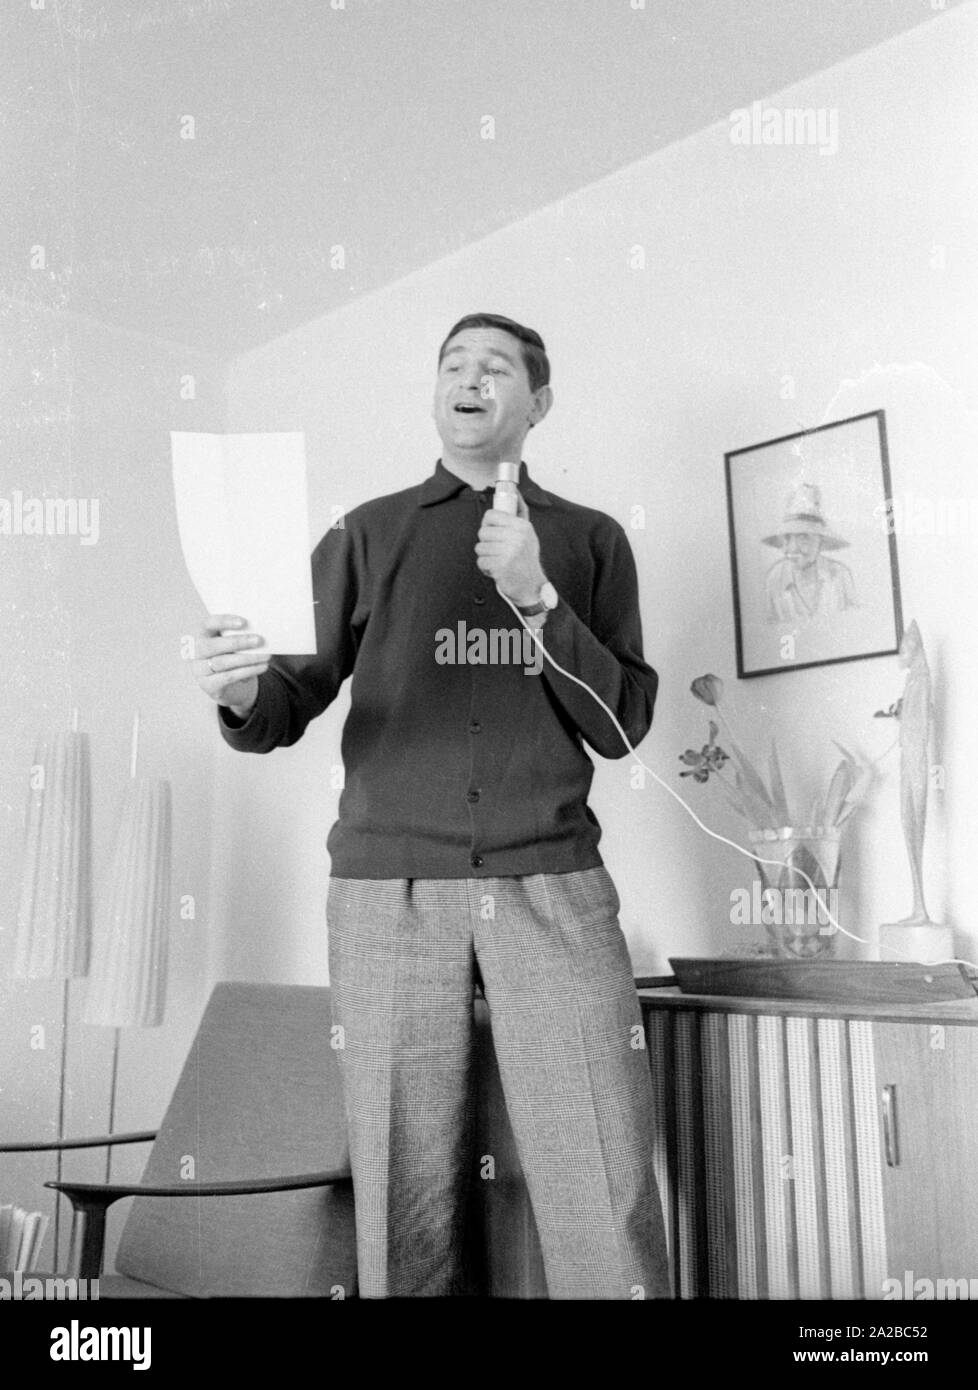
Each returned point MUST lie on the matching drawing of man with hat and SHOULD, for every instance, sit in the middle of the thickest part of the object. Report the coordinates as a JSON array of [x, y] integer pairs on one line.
[[805, 583]]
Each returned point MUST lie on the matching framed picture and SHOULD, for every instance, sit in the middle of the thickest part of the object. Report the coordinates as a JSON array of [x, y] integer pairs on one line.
[[812, 551]]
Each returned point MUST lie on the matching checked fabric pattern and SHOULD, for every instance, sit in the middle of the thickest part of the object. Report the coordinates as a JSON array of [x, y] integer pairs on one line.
[[566, 1024]]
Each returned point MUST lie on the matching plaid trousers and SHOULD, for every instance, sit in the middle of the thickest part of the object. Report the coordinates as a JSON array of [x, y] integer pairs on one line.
[[566, 1028]]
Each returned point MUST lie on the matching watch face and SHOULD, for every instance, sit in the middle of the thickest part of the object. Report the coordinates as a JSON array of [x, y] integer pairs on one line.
[[548, 596]]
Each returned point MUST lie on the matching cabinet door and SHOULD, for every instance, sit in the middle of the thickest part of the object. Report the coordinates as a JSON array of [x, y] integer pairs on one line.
[[927, 1075], [769, 1153]]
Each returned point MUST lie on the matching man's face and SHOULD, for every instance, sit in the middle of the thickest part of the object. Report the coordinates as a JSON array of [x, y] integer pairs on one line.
[[802, 550], [483, 402]]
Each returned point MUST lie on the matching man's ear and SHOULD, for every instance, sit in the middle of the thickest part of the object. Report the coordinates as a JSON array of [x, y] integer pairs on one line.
[[541, 403]]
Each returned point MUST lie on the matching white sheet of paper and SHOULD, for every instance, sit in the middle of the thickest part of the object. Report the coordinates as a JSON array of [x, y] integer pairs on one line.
[[242, 513]]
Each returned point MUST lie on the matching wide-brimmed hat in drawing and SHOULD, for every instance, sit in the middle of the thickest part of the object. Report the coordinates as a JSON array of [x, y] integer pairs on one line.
[[803, 517]]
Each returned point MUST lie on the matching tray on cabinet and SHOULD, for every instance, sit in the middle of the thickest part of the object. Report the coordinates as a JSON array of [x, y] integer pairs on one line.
[[854, 981]]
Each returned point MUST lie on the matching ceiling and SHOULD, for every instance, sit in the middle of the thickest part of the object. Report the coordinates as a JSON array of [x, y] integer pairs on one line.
[[359, 126]]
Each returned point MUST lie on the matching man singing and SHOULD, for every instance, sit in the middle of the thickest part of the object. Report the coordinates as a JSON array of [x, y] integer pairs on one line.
[[465, 849]]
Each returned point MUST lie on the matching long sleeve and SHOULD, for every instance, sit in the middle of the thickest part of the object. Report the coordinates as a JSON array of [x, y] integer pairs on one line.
[[606, 653], [295, 689]]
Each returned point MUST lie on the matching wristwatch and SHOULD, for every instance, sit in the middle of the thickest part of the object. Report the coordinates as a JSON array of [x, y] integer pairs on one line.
[[546, 601]]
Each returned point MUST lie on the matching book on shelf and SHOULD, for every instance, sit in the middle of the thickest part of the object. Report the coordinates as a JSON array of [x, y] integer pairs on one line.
[[21, 1237]]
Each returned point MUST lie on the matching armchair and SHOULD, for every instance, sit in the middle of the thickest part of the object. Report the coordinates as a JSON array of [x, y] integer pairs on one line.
[[247, 1189]]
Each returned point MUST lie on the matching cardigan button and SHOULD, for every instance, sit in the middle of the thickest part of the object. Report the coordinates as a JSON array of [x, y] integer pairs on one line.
[[477, 861]]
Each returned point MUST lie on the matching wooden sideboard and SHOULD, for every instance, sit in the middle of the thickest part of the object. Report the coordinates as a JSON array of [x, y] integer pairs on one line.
[[803, 1149]]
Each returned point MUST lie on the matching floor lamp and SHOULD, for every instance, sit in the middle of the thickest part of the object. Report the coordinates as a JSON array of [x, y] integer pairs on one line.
[[127, 984], [53, 933]]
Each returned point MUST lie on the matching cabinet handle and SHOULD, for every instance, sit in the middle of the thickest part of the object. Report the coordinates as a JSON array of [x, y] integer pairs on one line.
[[891, 1144]]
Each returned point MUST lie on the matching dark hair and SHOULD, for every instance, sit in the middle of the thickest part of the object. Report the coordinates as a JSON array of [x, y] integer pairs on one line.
[[532, 350]]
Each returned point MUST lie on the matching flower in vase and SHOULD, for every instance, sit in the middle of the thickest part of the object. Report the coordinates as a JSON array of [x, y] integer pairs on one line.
[[709, 689], [710, 758], [761, 801]]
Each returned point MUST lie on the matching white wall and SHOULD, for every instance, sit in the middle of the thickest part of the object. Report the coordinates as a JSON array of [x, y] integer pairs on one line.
[[852, 273], [97, 627]]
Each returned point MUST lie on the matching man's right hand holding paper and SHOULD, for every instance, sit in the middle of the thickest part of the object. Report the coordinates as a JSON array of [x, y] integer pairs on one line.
[[226, 664]]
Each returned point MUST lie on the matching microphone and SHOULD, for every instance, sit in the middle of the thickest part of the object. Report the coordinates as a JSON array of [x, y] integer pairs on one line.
[[506, 497]]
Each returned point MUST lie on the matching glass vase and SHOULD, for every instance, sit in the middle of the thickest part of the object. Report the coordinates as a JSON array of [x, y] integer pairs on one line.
[[794, 914]]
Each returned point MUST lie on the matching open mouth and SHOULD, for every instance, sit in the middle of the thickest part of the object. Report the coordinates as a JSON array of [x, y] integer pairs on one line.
[[466, 409]]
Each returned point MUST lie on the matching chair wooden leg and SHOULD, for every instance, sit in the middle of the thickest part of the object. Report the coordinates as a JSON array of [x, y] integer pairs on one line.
[[87, 1248]]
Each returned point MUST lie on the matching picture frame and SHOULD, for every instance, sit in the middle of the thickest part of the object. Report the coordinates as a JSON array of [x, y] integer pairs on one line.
[[822, 498]]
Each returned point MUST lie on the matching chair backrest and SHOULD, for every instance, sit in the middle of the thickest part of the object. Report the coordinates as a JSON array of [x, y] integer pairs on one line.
[[259, 1096]]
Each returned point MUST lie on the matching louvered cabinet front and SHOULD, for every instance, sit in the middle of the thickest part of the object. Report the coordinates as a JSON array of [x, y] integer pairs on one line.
[[804, 1156]]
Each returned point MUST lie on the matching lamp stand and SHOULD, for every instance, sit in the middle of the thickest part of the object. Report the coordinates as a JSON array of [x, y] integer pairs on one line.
[[61, 1117]]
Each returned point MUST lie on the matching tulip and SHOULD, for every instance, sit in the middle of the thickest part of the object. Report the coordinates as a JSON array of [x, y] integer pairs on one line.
[[709, 689], [752, 795]]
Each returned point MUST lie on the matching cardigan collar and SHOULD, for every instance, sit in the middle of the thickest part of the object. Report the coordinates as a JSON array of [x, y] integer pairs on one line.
[[443, 484]]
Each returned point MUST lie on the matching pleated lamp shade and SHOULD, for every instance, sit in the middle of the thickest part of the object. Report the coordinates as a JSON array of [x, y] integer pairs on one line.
[[127, 987], [54, 916]]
